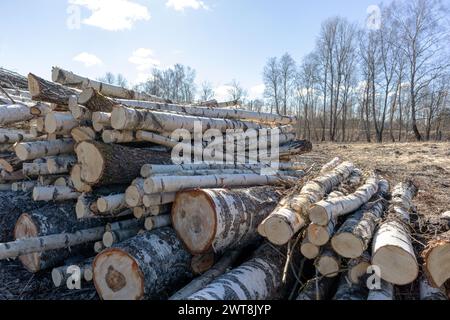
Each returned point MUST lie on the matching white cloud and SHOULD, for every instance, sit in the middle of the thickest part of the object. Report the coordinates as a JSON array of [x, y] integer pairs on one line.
[[89, 60], [143, 77], [222, 93], [257, 92], [180, 5], [113, 15], [143, 59]]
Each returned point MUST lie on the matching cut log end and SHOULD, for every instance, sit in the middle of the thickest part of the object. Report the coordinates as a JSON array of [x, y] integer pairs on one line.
[[133, 197], [389, 258], [309, 250], [26, 228], [194, 220], [358, 271], [318, 215], [33, 86], [91, 174], [277, 230], [86, 95], [118, 118], [318, 235], [328, 266], [117, 276], [438, 264], [21, 152], [202, 263], [347, 245], [108, 239]]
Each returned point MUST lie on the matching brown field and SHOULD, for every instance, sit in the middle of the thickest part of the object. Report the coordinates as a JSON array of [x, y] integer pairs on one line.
[[427, 164]]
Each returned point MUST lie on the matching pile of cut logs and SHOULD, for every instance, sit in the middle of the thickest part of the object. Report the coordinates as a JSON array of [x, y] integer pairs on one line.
[[106, 198]]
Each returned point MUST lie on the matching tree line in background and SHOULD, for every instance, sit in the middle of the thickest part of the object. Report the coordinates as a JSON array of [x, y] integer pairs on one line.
[[389, 83]]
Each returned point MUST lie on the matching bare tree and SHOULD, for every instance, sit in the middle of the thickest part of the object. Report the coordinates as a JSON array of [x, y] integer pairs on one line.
[[236, 92], [271, 78], [287, 76], [206, 91]]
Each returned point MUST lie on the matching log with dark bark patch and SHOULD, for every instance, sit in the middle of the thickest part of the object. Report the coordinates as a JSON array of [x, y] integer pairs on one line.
[[12, 205], [10, 162], [103, 164], [43, 90], [51, 220], [12, 80], [260, 278], [149, 265], [221, 219], [95, 101]]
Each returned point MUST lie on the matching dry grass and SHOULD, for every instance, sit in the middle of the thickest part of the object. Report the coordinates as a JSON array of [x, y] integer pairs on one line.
[[427, 164]]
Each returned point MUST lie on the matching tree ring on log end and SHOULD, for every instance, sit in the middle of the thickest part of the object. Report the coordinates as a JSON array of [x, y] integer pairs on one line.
[[328, 266], [309, 250], [278, 230], [397, 266], [318, 215], [21, 151], [195, 221], [94, 164], [438, 264], [117, 276], [347, 245], [355, 273], [318, 235], [26, 228]]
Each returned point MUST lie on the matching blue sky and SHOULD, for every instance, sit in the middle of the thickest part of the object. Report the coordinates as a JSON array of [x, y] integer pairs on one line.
[[221, 39]]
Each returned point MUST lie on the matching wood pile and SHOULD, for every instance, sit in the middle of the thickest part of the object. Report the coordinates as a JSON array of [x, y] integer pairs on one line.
[[91, 186]]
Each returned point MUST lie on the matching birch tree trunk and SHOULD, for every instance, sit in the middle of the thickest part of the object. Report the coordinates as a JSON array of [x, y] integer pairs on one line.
[[43, 90], [124, 118], [157, 222], [324, 211], [60, 123], [291, 216], [179, 183], [148, 266], [113, 136], [12, 80], [111, 203], [14, 113], [217, 270], [49, 235], [151, 200], [392, 248], [260, 278], [54, 194], [103, 164], [41, 149], [72, 80], [111, 238], [219, 219]]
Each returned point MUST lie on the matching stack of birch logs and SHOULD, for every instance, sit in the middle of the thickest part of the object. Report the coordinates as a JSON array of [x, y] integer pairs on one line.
[[352, 231], [97, 161]]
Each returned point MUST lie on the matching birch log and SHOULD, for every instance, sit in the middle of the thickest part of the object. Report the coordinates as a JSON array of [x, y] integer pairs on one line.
[[10, 114], [72, 80], [260, 278], [54, 194], [112, 203], [12, 176], [43, 90], [113, 136], [75, 178], [386, 292], [44, 236], [392, 248], [61, 164], [94, 101], [355, 235], [134, 195], [291, 216], [15, 136], [35, 169], [324, 211], [217, 270], [330, 165], [12, 80], [151, 200], [436, 258], [83, 133], [41, 149], [206, 112], [124, 118], [113, 237], [60, 123], [148, 266], [103, 164], [220, 219], [10, 163], [357, 268], [61, 275], [143, 212], [179, 183], [157, 222], [309, 250], [328, 263]]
